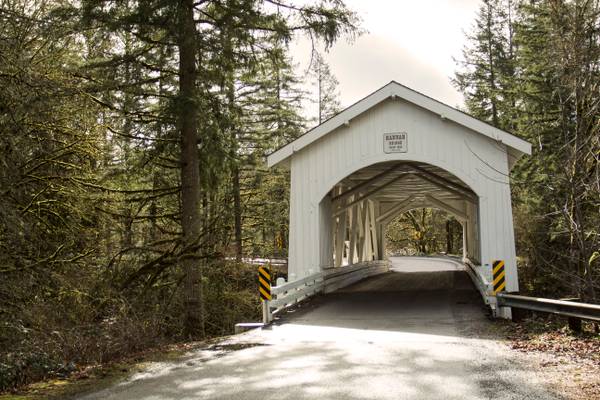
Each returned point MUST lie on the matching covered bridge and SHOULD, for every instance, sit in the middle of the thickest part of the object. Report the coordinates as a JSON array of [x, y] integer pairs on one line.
[[393, 151]]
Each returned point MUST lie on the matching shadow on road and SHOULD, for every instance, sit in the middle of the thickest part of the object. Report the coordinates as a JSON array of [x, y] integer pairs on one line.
[[393, 336], [434, 303]]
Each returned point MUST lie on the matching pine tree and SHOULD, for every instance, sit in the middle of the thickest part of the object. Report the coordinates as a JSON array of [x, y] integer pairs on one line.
[[544, 86], [559, 54], [487, 71], [328, 102]]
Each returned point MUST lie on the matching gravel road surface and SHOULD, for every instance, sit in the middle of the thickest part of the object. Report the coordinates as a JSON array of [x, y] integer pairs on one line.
[[418, 332]]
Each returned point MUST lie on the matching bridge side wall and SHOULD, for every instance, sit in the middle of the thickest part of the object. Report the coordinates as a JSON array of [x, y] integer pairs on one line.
[[478, 161]]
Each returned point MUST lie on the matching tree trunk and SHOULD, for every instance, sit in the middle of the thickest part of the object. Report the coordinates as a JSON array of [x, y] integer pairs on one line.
[[237, 212], [235, 157], [190, 174], [492, 68]]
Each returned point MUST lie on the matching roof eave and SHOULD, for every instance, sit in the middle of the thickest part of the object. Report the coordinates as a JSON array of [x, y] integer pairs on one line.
[[393, 89], [343, 118]]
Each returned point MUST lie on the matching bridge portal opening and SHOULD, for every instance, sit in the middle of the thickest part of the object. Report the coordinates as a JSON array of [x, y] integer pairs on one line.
[[423, 232], [363, 209]]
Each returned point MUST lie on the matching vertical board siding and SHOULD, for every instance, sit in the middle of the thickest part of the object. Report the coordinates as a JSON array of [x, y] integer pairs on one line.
[[431, 139]]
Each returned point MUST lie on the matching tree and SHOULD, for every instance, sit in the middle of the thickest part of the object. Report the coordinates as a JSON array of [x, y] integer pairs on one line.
[[328, 102], [551, 88], [49, 148], [198, 36], [423, 231], [487, 71], [270, 104], [559, 57], [191, 219]]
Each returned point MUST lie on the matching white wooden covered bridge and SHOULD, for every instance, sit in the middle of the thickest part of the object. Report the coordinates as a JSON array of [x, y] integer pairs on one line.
[[393, 151]]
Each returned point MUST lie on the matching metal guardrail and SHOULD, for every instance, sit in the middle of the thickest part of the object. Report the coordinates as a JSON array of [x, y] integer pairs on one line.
[[559, 307], [571, 309], [290, 293]]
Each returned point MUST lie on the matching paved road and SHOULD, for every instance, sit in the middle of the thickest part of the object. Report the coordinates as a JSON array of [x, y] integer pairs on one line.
[[401, 335]]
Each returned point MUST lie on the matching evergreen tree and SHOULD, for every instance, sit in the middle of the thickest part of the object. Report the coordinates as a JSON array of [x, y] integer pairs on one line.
[[328, 102], [487, 70], [559, 54], [547, 93]]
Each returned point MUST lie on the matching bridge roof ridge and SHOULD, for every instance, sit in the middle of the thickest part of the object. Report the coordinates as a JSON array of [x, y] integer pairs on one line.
[[391, 90]]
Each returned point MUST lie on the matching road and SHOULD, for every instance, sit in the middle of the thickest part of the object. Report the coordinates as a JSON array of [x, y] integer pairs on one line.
[[415, 333]]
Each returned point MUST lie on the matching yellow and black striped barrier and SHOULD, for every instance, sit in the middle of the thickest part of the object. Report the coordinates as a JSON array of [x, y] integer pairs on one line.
[[264, 283], [498, 276]]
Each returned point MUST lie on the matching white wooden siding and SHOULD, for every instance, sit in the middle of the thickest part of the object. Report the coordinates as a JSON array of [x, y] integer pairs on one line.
[[477, 160]]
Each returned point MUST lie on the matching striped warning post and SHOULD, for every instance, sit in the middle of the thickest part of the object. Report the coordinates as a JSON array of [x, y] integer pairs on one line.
[[264, 283], [498, 276]]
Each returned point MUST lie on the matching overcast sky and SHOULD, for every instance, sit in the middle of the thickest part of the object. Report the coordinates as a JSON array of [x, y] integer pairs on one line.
[[409, 41]]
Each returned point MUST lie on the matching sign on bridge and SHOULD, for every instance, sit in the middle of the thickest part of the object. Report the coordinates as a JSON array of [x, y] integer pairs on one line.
[[395, 142]]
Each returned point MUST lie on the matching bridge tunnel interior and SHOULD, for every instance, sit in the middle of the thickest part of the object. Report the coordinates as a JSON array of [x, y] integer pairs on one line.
[[359, 208]]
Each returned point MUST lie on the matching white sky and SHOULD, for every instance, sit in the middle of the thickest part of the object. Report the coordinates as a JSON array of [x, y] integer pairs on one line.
[[409, 41]]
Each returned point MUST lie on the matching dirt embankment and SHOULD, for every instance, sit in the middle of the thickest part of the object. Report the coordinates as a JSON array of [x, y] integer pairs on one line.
[[569, 362]]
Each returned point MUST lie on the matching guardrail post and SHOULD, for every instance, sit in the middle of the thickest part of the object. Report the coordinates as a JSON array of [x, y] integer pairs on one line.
[[266, 311], [575, 324]]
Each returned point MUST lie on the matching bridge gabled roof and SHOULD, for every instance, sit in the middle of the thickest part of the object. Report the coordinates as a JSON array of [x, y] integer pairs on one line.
[[516, 145]]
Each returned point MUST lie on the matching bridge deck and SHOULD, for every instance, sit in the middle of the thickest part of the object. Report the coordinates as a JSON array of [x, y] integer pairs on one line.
[[436, 302]]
